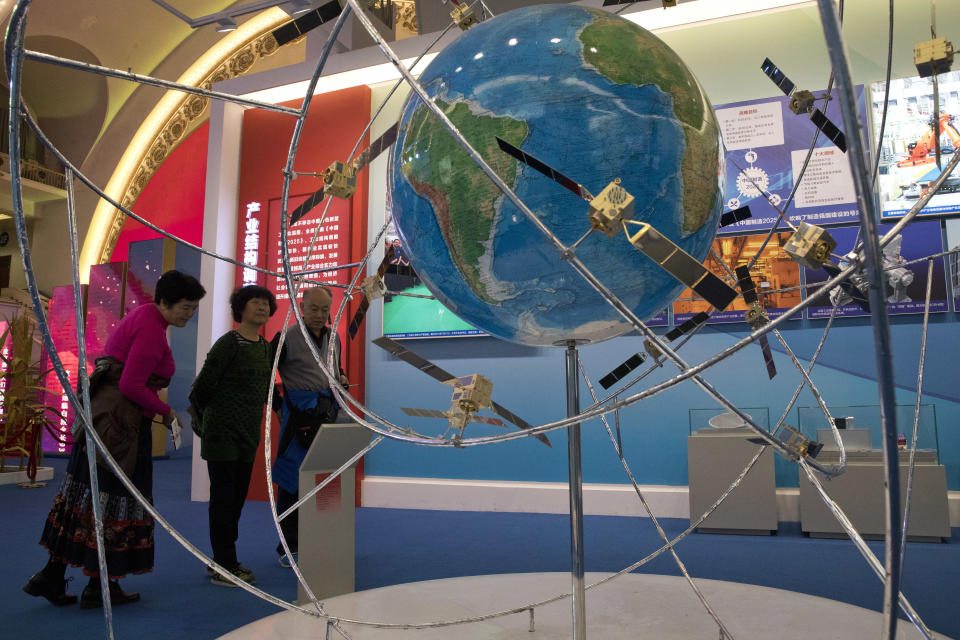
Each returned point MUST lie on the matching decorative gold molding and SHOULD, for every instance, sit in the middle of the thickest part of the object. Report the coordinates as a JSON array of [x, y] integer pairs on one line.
[[192, 107]]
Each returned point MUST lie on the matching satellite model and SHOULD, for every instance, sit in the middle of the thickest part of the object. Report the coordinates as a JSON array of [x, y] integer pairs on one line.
[[798, 444], [340, 178], [374, 287], [470, 394], [463, 15], [933, 57], [801, 101], [756, 315], [854, 290], [612, 210]]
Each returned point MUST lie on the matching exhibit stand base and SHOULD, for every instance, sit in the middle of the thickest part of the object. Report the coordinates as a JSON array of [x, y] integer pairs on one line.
[[19, 477], [632, 606]]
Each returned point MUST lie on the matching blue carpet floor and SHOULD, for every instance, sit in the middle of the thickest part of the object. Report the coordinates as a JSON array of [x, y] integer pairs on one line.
[[396, 546]]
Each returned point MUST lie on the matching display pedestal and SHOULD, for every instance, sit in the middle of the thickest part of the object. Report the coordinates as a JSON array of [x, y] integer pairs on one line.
[[632, 606], [13, 476], [860, 493], [326, 521], [716, 457]]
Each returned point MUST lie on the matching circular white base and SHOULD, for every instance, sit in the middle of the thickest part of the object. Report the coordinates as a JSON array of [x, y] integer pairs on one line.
[[632, 606]]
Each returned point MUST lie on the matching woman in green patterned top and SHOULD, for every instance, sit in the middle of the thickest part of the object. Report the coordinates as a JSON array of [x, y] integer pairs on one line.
[[230, 391]]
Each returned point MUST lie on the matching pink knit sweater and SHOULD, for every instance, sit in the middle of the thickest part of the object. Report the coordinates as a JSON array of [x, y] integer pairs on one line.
[[140, 343]]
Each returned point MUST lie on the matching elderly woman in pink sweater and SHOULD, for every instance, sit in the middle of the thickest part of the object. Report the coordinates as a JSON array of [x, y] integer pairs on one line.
[[136, 364]]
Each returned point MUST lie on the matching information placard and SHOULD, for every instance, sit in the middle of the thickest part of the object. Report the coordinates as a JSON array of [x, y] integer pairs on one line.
[[767, 145]]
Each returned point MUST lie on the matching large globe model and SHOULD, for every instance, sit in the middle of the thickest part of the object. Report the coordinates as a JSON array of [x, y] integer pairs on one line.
[[597, 98]]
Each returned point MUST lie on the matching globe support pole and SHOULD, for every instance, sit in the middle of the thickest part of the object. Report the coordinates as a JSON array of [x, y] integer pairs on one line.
[[576, 495]]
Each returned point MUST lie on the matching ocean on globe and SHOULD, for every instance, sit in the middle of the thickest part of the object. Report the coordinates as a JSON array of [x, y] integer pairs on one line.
[[594, 96]]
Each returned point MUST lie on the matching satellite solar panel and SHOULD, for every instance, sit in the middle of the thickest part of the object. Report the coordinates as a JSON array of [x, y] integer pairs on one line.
[[357, 319], [411, 358], [513, 418], [296, 28], [829, 129], [687, 326], [377, 147], [767, 357], [773, 72], [623, 370], [736, 215], [746, 285], [306, 206], [540, 166], [423, 413], [715, 291]]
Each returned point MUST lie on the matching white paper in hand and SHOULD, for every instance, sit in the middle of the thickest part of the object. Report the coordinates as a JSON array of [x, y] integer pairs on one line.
[[175, 430]]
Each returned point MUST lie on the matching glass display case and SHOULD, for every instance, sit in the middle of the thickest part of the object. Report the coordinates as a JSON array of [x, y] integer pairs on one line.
[[701, 418], [866, 427], [859, 491]]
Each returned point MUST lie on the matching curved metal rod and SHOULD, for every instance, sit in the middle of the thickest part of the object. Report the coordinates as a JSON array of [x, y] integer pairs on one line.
[[292, 290], [87, 408], [879, 319], [819, 398], [724, 632], [101, 445], [886, 97], [813, 361], [154, 82], [916, 414]]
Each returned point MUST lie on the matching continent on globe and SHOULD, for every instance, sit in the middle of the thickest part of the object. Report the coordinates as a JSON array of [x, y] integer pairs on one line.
[[597, 98], [464, 206], [632, 57]]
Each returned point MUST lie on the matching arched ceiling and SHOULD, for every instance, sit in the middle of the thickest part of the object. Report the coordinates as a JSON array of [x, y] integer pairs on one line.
[[125, 34]]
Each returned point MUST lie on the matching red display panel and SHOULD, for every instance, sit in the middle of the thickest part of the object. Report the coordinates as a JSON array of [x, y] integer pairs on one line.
[[173, 198], [335, 122]]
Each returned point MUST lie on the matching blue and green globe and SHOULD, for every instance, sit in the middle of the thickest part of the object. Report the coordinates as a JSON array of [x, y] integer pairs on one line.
[[594, 96]]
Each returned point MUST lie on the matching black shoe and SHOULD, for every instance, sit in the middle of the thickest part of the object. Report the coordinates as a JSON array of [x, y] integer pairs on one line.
[[91, 598], [53, 590]]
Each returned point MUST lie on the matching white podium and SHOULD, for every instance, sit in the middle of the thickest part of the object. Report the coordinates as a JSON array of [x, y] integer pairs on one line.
[[326, 522]]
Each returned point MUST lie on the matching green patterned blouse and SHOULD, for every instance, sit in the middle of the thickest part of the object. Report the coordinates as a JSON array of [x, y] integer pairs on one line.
[[232, 389]]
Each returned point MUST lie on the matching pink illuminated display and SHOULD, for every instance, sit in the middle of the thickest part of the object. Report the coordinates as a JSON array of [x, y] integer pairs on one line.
[[3, 366], [104, 306], [63, 330]]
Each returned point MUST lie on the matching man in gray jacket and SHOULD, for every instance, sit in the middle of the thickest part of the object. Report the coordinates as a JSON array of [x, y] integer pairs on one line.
[[307, 401]]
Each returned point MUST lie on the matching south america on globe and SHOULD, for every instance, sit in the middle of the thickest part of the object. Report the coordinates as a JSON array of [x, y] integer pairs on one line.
[[594, 96]]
